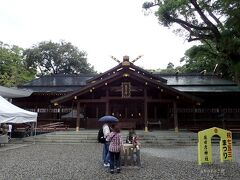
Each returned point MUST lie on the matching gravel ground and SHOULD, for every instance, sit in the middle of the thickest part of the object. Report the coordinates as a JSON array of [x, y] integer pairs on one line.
[[83, 161], [188, 153]]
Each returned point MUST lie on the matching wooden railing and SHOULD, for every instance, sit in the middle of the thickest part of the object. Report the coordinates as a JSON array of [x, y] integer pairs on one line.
[[127, 125], [155, 122], [57, 126]]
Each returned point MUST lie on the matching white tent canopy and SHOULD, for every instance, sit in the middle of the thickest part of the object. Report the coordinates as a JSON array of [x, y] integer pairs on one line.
[[10, 113]]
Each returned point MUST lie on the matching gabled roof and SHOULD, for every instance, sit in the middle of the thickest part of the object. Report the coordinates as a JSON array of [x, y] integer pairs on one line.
[[125, 71], [130, 66], [65, 83], [183, 82]]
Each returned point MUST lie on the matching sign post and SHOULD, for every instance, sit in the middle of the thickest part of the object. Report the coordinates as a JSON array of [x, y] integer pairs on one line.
[[205, 145]]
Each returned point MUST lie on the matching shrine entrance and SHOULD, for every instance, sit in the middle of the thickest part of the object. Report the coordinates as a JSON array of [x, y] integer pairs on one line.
[[129, 113]]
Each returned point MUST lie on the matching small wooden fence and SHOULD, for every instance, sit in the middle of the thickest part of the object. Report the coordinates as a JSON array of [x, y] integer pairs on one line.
[[57, 126]]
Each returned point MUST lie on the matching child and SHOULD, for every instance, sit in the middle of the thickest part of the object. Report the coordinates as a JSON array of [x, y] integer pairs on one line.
[[131, 134], [116, 143], [136, 142]]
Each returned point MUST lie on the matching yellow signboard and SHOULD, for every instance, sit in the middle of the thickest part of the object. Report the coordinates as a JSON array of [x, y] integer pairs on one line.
[[205, 145]]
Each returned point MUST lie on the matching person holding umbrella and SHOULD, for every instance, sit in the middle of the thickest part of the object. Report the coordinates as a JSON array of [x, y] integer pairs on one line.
[[115, 146], [106, 158], [107, 120]]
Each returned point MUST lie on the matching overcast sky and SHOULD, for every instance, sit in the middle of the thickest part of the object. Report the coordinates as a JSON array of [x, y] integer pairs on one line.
[[100, 27]]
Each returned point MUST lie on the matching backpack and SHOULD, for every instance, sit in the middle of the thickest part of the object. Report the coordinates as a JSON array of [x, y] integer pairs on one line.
[[100, 137]]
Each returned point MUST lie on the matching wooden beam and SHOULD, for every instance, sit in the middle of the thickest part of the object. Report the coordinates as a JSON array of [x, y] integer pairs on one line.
[[121, 98], [107, 98], [159, 100], [92, 100]]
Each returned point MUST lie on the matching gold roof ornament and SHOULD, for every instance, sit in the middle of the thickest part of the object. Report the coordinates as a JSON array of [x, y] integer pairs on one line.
[[126, 61]]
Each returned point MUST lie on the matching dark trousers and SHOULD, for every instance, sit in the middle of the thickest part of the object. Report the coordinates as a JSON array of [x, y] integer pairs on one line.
[[114, 159]]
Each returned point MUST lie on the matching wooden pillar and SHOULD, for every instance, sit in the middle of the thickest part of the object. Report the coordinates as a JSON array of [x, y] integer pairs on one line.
[[60, 112], [222, 117], [78, 116], [145, 110], [107, 103], [126, 113], [97, 112], [175, 116], [155, 113], [194, 116], [107, 108]]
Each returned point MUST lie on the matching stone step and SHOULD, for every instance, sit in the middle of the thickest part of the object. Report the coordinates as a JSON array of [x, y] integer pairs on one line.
[[60, 141], [149, 138]]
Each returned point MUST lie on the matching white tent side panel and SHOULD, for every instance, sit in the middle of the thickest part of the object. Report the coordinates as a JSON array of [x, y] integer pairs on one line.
[[10, 113]]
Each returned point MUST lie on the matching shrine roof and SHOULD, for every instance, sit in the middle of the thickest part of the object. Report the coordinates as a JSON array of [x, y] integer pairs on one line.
[[182, 82], [194, 79]]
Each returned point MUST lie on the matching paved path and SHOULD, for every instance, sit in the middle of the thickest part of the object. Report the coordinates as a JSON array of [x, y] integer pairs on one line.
[[82, 161]]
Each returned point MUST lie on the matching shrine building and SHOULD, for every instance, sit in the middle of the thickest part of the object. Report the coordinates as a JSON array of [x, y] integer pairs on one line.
[[138, 98]]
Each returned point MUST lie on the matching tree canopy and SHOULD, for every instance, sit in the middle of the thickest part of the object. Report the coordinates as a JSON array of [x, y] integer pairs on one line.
[[12, 66], [215, 23], [54, 58]]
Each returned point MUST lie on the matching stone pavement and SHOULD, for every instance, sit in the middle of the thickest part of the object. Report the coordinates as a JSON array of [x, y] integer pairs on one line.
[[83, 161]]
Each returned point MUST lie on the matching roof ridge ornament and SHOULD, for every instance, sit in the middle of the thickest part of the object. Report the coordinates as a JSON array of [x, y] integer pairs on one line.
[[115, 59], [137, 58], [126, 59]]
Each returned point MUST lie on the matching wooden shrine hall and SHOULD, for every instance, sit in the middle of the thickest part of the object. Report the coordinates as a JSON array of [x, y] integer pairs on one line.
[[138, 98]]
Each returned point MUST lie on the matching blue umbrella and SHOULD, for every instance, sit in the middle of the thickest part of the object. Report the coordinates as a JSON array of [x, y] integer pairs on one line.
[[108, 119]]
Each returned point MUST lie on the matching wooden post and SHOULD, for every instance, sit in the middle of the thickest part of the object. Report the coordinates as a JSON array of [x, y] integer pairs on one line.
[[107, 102], [107, 108], [97, 112], [155, 113], [145, 110], [175, 116], [78, 116], [126, 113], [194, 116], [60, 112]]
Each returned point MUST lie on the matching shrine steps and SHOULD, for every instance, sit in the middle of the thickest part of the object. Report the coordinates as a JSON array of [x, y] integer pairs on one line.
[[154, 138]]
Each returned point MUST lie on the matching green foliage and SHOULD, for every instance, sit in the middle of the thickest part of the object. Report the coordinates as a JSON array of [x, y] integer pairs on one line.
[[169, 69], [215, 23], [12, 66], [199, 58], [54, 58], [205, 57]]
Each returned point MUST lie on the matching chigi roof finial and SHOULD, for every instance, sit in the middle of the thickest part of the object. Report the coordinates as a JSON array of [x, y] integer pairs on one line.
[[115, 59], [125, 58], [133, 61]]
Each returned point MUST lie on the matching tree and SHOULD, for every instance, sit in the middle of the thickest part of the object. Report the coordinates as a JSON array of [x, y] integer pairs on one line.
[[54, 58], [202, 58], [170, 69], [12, 66], [215, 23]]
